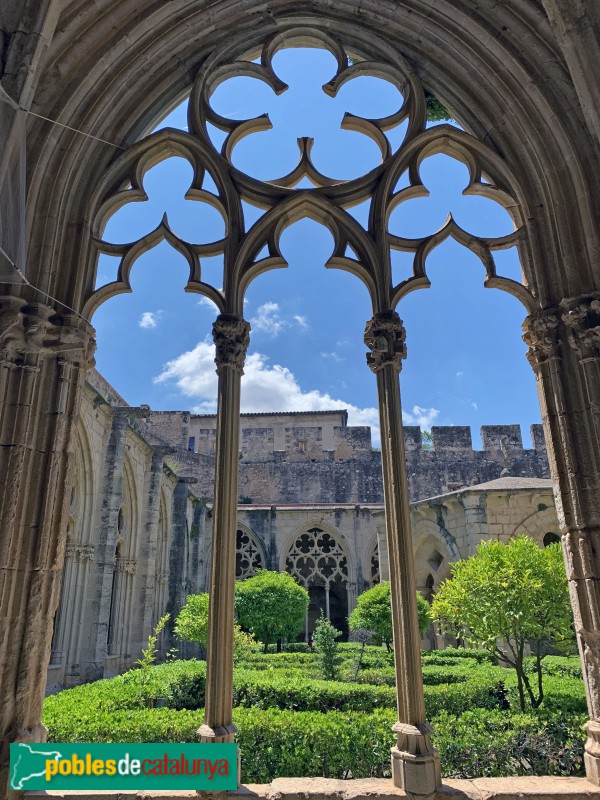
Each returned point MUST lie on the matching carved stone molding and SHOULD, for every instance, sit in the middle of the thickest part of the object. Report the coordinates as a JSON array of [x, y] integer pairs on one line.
[[541, 334], [385, 336], [37, 330], [231, 335], [580, 559], [126, 565], [581, 316], [80, 552]]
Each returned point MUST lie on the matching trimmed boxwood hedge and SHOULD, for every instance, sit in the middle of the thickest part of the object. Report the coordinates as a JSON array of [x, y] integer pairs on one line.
[[483, 743], [277, 743], [280, 716]]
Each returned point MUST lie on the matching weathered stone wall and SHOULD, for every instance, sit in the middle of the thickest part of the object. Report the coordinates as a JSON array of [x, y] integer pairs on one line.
[[323, 460]]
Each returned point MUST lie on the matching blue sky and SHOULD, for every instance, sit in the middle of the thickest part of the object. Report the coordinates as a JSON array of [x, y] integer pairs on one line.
[[466, 361]]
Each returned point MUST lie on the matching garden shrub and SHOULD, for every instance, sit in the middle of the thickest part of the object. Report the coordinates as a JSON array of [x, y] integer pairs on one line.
[[483, 743], [280, 717], [386, 676], [562, 666], [484, 688], [263, 690], [450, 654], [326, 648], [562, 694], [290, 647], [433, 675], [277, 743]]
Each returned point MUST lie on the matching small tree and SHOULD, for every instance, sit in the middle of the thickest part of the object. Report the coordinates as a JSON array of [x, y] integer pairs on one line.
[[192, 626], [326, 648], [192, 621], [141, 679], [363, 637], [374, 612], [515, 593], [271, 605]]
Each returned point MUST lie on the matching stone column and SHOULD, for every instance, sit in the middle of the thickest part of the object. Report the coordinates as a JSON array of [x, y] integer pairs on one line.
[[564, 351], [150, 544], [415, 763], [476, 523], [43, 360], [178, 583], [102, 582], [231, 335]]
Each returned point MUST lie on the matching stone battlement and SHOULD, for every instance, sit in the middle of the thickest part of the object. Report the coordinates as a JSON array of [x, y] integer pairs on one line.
[[323, 440], [315, 457]]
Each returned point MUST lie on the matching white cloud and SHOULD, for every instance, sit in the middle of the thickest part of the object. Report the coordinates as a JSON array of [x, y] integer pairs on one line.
[[474, 405], [268, 319], [459, 374], [149, 319], [425, 417], [268, 387], [206, 302], [332, 357]]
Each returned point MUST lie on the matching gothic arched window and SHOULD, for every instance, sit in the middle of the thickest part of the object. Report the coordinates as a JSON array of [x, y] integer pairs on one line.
[[248, 557]]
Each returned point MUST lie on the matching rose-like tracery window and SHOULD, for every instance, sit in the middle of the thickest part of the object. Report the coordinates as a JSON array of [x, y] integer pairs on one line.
[[317, 559], [312, 183]]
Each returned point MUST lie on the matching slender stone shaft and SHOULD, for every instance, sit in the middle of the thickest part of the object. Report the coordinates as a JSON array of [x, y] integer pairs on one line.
[[415, 764], [564, 351], [231, 335]]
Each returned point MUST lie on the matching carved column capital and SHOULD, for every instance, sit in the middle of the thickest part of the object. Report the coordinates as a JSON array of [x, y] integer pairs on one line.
[[231, 335], [540, 333], [385, 336], [28, 330], [581, 316], [85, 552], [127, 565]]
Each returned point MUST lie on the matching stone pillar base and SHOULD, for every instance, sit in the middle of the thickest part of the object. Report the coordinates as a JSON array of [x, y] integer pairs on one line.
[[221, 734], [419, 776], [225, 734], [591, 756]]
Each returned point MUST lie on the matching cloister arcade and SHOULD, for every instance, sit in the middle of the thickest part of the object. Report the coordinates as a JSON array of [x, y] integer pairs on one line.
[[84, 83]]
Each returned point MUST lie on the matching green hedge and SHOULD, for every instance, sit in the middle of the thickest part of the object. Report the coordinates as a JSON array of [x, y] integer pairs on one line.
[[433, 675], [561, 694], [452, 655], [264, 690], [484, 688], [277, 743], [483, 743], [562, 666], [386, 676]]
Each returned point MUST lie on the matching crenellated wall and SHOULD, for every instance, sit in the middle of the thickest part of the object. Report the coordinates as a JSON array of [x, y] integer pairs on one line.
[[314, 457]]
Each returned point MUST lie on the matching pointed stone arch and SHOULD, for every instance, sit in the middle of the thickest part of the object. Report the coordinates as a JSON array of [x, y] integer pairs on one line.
[[320, 560]]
